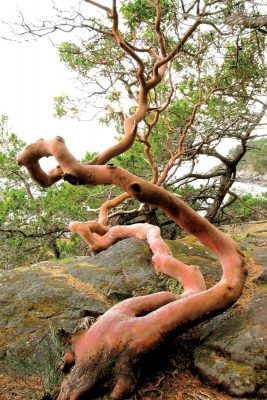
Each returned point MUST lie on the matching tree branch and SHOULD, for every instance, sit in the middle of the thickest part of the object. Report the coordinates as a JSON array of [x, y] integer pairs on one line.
[[94, 3]]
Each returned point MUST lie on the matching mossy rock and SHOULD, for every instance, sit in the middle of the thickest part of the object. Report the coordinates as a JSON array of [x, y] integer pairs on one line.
[[236, 378], [233, 353], [32, 299]]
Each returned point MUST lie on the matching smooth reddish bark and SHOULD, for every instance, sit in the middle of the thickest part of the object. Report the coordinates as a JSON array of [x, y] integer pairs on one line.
[[108, 353]]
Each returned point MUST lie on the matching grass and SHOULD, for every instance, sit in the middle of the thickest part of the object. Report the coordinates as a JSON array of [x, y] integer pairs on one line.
[[42, 363]]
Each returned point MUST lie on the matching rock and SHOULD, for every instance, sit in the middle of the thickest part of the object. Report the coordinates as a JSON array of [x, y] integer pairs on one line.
[[54, 294], [233, 352], [120, 271], [32, 299], [251, 176], [251, 241], [261, 277], [260, 256]]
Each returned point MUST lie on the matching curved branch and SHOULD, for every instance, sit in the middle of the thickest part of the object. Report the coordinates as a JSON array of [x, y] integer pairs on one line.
[[157, 28], [35, 234], [212, 174], [130, 213], [79, 174], [189, 123], [190, 276], [147, 151], [129, 50], [130, 129], [103, 214], [94, 3], [158, 66]]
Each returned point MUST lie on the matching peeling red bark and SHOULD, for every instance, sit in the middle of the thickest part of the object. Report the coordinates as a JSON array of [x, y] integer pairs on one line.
[[108, 353]]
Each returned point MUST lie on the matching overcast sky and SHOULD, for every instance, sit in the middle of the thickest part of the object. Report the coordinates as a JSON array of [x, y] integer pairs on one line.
[[31, 75]]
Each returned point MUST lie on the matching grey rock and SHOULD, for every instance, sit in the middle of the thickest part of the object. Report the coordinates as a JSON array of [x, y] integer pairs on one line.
[[260, 255], [32, 299], [251, 241], [256, 310], [250, 176], [119, 271], [195, 254], [233, 352], [261, 277]]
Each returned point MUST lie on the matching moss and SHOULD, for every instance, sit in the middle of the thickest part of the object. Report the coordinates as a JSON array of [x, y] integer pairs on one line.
[[204, 355], [4, 335], [147, 251], [174, 286], [263, 286], [213, 359], [48, 308], [244, 371], [61, 260], [14, 335], [84, 288], [21, 268], [186, 247], [143, 291], [84, 265]]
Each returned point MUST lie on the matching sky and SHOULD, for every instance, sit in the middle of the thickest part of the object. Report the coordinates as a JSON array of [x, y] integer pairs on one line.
[[31, 75]]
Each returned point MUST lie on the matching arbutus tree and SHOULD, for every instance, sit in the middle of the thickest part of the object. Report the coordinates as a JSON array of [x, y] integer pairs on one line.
[[107, 355]]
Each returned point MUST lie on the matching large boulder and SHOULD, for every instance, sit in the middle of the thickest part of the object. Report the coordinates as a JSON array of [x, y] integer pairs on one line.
[[54, 294], [233, 354], [233, 350]]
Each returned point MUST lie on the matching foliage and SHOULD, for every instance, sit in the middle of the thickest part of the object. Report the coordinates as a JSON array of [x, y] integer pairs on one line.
[[33, 221], [174, 286], [256, 156], [248, 208]]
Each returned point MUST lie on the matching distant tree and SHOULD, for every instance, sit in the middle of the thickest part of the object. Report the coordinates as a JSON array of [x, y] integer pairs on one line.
[[240, 207], [255, 158], [246, 207]]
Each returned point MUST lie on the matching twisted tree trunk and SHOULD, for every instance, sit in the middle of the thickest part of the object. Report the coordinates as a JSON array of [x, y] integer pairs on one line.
[[108, 353]]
